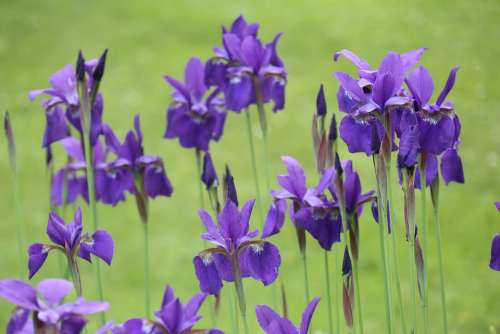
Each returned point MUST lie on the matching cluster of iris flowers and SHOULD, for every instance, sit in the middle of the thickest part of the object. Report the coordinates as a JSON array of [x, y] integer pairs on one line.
[[387, 111]]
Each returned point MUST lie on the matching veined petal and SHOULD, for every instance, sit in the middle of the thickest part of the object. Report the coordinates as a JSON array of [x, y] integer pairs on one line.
[[421, 85], [207, 274], [351, 86], [263, 261], [56, 229]]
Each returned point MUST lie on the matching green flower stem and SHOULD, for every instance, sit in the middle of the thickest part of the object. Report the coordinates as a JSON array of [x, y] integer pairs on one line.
[[425, 242], [306, 276], [254, 165], [240, 292], [338, 289], [346, 244], [435, 203], [409, 210], [328, 294], [147, 294], [75, 276], [19, 224], [86, 106], [395, 257], [382, 214]]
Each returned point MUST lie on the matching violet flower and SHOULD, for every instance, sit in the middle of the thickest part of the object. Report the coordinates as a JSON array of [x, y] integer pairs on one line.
[[367, 100], [192, 117], [248, 71], [495, 247], [45, 305], [172, 318], [310, 210], [69, 239], [62, 108], [133, 170], [272, 323], [237, 253]]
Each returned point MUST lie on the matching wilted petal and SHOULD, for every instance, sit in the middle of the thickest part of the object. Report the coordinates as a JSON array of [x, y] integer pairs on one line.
[[207, 275]]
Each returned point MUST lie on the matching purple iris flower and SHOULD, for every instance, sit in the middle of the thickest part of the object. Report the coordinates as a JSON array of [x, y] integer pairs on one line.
[[237, 252], [70, 181], [272, 323], [368, 100], [248, 71], [172, 318], [310, 211], [495, 247], [435, 120], [69, 239], [62, 108], [44, 303], [192, 117], [132, 164]]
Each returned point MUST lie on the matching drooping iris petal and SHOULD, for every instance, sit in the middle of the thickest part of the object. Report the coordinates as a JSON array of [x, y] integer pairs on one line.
[[431, 171], [358, 135], [239, 93], [56, 126], [451, 167], [99, 244], [275, 219], [18, 322], [54, 290], [37, 254], [408, 147], [19, 293], [73, 325], [307, 316], [207, 275], [436, 137], [156, 182], [263, 261], [495, 253]]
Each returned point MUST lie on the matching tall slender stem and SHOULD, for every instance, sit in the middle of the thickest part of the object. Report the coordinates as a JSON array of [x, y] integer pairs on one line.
[[423, 207], [357, 295], [147, 294], [198, 178], [409, 213], [382, 213], [338, 289], [240, 292], [75, 276], [392, 219], [444, 312], [328, 293], [306, 276], [254, 165], [19, 224], [85, 116]]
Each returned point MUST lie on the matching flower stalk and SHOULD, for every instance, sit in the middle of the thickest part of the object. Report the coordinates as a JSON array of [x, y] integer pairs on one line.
[[435, 205], [425, 241]]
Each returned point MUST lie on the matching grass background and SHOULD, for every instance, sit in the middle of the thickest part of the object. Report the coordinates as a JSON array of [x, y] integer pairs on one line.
[[148, 39]]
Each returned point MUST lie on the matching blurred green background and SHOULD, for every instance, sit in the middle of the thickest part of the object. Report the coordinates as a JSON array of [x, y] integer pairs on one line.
[[148, 39]]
